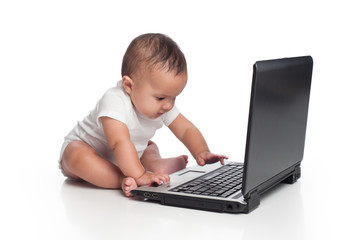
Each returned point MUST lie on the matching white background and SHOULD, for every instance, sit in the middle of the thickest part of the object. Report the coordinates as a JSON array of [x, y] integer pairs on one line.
[[58, 57]]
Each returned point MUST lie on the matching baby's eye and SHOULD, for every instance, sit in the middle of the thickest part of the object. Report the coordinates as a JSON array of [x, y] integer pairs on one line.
[[160, 98]]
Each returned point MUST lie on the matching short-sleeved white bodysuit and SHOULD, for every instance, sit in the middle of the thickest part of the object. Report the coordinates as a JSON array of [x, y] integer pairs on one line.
[[116, 104]]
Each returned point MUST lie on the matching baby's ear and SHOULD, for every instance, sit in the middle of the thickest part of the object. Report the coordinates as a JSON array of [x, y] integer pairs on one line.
[[127, 83]]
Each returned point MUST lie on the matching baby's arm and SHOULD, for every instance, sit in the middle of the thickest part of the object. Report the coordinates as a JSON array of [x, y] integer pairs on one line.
[[117, 135], [192, 138]]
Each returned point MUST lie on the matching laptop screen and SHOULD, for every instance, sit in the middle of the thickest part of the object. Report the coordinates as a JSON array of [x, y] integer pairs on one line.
[[277, 119]]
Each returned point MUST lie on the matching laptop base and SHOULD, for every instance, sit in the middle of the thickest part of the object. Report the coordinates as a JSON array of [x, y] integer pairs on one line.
[[222, 205]]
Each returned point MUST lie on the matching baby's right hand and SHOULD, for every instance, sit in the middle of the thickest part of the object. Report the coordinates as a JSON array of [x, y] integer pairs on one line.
[[148, 178]]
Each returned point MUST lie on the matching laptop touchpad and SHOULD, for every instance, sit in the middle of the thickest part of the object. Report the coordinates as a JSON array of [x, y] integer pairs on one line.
[[192, 173]]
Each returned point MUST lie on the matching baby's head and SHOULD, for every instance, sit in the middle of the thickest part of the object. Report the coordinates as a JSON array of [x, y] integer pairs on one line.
[[153, 50], [154, 73]]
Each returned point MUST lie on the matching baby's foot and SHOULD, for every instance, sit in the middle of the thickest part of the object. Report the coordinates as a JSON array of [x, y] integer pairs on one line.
[[185, 158], [175, 164], [128, 184]]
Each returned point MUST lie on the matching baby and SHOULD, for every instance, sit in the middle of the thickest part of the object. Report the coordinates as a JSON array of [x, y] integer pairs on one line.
[[111, 147]]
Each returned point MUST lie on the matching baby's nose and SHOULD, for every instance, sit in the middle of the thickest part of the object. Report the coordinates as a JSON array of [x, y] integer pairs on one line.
[[167, 106]]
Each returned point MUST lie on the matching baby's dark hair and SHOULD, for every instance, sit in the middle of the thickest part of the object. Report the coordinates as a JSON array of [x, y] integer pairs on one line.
[[153, 49]]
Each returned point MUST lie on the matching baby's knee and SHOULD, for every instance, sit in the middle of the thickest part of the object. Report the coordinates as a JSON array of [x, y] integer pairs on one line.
[[73, 154]]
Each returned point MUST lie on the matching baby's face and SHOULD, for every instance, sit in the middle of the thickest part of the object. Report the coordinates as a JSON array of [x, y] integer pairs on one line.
[[154, 91]]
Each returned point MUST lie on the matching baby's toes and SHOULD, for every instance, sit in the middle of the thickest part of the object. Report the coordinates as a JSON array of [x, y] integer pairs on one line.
[[128, 184]]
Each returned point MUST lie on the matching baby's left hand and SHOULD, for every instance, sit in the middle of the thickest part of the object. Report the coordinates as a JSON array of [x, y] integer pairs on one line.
[[208, 158]]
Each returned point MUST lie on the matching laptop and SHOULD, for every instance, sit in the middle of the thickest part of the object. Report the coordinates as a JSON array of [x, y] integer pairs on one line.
[[274, 146]]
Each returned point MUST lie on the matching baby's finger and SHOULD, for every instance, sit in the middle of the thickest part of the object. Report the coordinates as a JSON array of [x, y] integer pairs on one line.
[[164, 178], [222, 156], [167, 179]]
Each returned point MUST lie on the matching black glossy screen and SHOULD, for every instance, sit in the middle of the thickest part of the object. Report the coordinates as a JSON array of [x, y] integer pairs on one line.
[[277, 118]]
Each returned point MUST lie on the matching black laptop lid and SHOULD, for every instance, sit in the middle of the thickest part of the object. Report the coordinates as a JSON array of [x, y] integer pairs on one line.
[[277, 120]]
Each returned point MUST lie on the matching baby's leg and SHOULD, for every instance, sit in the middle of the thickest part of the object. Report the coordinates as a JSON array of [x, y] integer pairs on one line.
[[80, 161], [152, 161]]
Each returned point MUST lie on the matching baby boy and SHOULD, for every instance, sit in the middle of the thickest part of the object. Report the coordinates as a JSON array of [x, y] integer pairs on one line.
[[111, 147]]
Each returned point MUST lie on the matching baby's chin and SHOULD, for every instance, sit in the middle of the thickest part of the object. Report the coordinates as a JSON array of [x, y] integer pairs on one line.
[[154, 115]]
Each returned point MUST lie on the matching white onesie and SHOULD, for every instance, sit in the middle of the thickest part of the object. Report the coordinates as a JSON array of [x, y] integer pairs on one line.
[[116, 104]]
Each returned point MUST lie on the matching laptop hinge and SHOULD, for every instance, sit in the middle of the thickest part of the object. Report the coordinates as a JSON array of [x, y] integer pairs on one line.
[[253, 200]]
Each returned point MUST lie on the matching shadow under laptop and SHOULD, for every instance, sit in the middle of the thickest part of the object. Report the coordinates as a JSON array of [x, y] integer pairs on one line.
[[96, 213]]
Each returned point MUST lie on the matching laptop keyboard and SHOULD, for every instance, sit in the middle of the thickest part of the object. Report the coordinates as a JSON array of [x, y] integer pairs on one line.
[[222, 182]]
